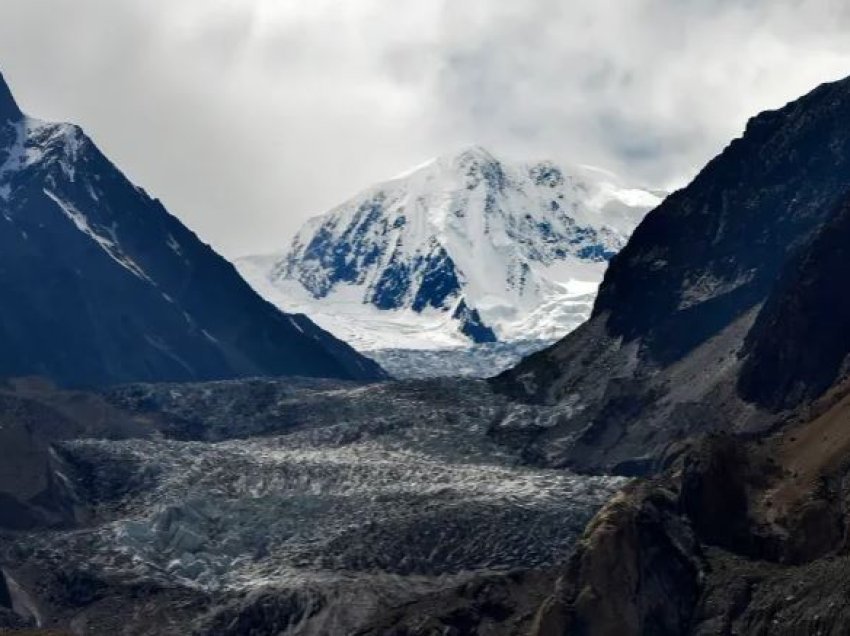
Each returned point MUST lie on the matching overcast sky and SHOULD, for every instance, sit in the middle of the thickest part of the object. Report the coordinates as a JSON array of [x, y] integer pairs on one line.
[[248, 116]]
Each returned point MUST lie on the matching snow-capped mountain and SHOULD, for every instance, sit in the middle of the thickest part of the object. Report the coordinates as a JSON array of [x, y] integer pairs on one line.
[[465, 248], [100, 284]]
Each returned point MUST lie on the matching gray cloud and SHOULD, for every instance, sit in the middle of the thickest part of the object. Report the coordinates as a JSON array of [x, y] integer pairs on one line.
[[248, 116]]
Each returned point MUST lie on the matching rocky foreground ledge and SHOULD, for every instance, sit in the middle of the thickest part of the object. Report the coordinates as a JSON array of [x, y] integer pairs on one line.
[[737, 538]]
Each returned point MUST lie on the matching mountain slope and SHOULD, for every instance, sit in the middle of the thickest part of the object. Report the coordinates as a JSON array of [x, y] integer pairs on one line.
[[102, 285], [463, 248], [661, 357], [749, 534]]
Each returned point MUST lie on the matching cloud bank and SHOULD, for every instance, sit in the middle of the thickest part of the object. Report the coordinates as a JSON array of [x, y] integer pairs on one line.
[[248, 116]]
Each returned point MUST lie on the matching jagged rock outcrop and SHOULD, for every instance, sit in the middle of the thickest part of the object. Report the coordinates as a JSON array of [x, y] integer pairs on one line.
[[498, 605], [738, 538], [637, 570]]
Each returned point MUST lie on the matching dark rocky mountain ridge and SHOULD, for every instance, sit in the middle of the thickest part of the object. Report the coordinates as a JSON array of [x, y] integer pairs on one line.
[[799, 342], [101, 285], [723, 240], [661, 356]]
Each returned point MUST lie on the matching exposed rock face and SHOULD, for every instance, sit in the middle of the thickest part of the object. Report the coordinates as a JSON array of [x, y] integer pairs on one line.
[[637, 570], [471, 324], [800, 340], [101, 285], [33, 417], [739, 538], [715, 249], [502, 605], [661, 357]]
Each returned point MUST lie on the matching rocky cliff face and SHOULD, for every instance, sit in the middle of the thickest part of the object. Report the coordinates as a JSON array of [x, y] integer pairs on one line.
[[736, 539], [745, 531], [715, 248], [799, 342], [672, 329], [100, 284]]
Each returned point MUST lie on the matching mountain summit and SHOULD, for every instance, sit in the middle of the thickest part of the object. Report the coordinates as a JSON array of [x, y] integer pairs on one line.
[[9, 110], [466, 247], [100, 284]]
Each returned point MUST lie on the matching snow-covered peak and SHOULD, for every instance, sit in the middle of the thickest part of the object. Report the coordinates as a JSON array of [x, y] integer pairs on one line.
[[470, 161], [38, 142], [467, 236], [464, 161]]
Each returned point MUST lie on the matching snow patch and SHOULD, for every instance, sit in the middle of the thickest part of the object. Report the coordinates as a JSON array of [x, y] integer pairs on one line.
[[173, 245], [108, 245]]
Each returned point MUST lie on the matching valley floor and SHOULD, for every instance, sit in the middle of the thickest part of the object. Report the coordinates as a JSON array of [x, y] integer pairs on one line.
[[292, 507]]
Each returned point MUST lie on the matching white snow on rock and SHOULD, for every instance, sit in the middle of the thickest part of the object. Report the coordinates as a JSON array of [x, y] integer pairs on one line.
[[108, 244], [524, 245]]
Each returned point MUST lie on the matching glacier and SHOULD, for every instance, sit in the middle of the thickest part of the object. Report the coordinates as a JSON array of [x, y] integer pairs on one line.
[[346, 499]]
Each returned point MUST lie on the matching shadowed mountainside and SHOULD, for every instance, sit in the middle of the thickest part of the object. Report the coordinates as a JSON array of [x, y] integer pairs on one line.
[[661, 357], [101, 285]]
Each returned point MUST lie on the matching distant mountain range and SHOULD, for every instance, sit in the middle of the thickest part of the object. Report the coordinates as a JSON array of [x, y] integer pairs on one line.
[[101, 285], [466, 248]]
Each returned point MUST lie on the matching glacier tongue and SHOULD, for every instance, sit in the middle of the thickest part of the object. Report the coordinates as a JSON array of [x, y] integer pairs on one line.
[[318, 480], [294, 506], [464, 248]]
